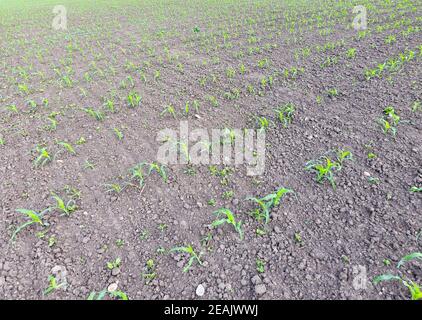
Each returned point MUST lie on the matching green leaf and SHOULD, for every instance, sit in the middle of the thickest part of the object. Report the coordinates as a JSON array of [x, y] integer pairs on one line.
[[409, 257], [386, 277], [31, 214]]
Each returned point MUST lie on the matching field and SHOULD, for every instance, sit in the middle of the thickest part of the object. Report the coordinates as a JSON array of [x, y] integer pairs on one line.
[[89, 212]]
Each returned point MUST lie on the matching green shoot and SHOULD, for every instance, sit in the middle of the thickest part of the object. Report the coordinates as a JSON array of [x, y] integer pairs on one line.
[[413, 287], [64, 208], [285, 114], [229, 219], [67, 147], [415, 189], [325, 166], [266, 203], [260, 265], [114, 264], [191, 252], [170, 110], [43, 157], [53, 285], [133, 100], [118, 133], [32, 217]]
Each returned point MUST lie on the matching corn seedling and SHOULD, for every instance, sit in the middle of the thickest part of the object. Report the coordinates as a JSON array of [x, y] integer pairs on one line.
[[89, 165], [43, 157], [351, 53], [133, 100], [266, 203], [170, 110], [416, 106], [112, 294], [260, 265], [415, 189], [325, 166], [118, 133], [32, 217], [192, 254], [53, 285], [109, 104], [67, 146], [285, 114], [333, 92], [229, 219], [263, 124], [65, 208], [114, 264], [150, 273], [114, 187], [97, 115], [213, 101], [389, 121], [413, 287]]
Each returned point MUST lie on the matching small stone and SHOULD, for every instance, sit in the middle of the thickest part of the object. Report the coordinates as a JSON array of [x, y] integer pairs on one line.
[[200, 290], [115, 271], [256, 279], [260, 289], [112, 287]]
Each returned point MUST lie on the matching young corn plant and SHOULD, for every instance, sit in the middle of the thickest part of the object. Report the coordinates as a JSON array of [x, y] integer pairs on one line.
[[118, 133], [229, 219], [192, 254], [416, 106], [415, 189], [112, 294], [263, 124], [53, 285], [43, 157], [325, 167], [285, 114], [414, 289], [114, 264], [96, 114], [389, 121], [150, 273], [32, 216], [138, 174], [66, 208], [265, 204], [133, 100], [170, 110], [67, 146]]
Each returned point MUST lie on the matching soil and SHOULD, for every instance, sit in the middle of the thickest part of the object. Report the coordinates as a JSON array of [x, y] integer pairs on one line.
[[344, 232]]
